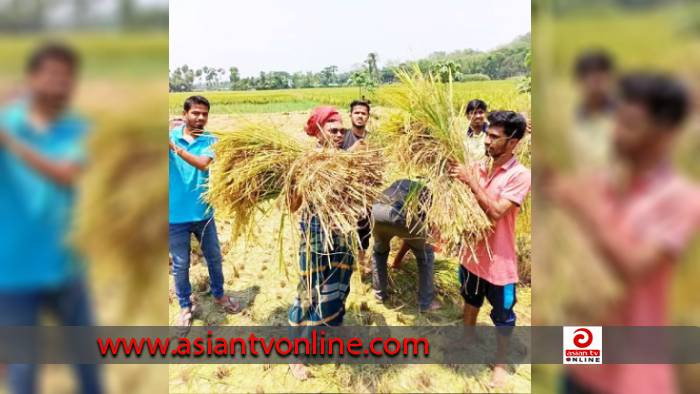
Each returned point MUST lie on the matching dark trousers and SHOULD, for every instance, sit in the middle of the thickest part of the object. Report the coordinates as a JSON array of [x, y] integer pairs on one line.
[[388, 223]]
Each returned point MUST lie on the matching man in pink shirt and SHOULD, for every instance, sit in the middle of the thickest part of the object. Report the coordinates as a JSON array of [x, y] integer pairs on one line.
[[640, 218], [491, 272]]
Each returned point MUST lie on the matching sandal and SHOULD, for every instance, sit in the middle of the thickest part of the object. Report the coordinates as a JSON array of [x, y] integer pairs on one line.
[[185, 318], [229, 304], [183, 323]]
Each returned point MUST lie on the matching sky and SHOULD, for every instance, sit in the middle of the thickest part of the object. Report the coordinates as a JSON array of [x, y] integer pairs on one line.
[[308, 35]]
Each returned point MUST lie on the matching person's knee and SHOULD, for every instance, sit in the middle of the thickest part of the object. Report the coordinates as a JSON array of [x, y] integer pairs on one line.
[[424, 256], [382, 245], [180, 253], [213, 259], [181, 263], [212, 252], [470, 313], [503, 318]]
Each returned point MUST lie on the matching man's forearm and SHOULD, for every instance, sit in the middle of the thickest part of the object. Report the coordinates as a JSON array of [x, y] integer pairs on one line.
[[483, 199], [628, 258], [199, 162], [62, 172]]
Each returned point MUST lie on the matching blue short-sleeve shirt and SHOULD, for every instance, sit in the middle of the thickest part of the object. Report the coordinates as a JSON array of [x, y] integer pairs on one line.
[[187, 183], [35, 212]]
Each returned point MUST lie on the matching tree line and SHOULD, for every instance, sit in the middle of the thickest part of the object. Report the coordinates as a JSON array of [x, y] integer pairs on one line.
[[467, 65], [18, 16]]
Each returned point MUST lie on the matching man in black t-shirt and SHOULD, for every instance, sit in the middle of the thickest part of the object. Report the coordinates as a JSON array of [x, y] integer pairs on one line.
[[389, 220]]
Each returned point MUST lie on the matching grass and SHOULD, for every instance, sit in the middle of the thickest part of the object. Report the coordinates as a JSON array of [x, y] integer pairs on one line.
[[254, 108], [104, 54], [499, 94], [667, 44]]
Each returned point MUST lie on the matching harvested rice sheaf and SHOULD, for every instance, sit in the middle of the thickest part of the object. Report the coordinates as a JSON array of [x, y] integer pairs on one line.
[[120, 221], [258, 166], [579, 285], [426, 132], [250, 169], [338, 186]]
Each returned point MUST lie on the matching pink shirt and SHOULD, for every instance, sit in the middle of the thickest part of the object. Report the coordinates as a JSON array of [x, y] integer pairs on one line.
[[511, 182], [662, 209]]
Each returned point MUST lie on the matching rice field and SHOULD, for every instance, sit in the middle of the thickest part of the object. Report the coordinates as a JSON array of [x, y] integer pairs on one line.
[[252, 273], [499, 94]]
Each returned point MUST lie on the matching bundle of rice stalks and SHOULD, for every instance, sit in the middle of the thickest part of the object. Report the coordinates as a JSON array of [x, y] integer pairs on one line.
[[250, 169], [120, 222], [427, 133], [571, 267], [258, 166], [339, 187], [564, 254]]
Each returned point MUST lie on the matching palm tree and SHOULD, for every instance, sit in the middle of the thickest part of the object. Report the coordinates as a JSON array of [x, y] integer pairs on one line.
[[372, 65]]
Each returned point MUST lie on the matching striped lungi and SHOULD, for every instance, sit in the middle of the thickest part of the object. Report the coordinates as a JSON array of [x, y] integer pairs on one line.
[[324, 282]]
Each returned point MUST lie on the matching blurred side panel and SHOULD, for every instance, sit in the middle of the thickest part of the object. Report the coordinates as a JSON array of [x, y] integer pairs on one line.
[[115, 228], [582, 125]]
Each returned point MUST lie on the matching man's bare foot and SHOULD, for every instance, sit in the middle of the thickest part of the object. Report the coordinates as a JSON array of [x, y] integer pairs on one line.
[[498, 376], [299, 371]]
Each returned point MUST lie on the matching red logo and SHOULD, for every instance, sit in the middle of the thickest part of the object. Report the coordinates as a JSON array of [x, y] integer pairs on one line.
[[583, 345], [583, 337]]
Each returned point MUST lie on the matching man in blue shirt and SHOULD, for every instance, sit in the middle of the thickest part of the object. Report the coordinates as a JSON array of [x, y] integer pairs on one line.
[[190, 156], [41, 157]]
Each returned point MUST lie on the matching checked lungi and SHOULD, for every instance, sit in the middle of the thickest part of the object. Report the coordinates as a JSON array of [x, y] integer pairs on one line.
[[324, 282]]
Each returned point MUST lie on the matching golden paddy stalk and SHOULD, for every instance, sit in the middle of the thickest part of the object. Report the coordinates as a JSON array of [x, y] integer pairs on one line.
[[120, 219], [424, 135], [258, 166]]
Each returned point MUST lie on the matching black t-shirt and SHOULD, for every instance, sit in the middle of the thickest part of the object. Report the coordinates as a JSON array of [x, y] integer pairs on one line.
[[397, 193], [350, 139]]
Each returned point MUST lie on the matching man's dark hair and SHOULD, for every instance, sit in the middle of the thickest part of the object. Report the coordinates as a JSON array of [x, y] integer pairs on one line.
[[363, 103], [192, 100], [592, 61], [513, 123], [53, 51], [663, 97], [475, 104]]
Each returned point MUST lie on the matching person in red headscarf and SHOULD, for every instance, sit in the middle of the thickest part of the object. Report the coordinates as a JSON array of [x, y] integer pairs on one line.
[[325, 271], [326, 125]]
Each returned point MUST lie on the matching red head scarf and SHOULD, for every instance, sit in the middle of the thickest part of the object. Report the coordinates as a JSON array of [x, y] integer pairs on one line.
[[319, 117]]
